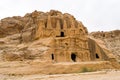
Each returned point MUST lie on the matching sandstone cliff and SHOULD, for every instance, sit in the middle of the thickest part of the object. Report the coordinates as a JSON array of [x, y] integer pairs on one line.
[[19, 35], [49, 43], [111, 39], [39, 33]]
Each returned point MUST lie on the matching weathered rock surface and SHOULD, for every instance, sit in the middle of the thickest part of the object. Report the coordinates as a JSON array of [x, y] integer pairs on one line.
[[17, 34], [111, 39], [51, 37]]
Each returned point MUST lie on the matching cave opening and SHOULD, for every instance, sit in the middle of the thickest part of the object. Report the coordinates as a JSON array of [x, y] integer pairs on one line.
[[97, 56], [62, 34], [73, 57], [52, 56]]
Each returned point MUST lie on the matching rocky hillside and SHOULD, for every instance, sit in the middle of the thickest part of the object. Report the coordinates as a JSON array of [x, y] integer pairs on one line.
[[25, 43], [18, 35], [28, 24], [111, 39], [19, 38]]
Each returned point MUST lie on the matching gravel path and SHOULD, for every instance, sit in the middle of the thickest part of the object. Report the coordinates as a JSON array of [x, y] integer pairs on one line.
[[100, 75]]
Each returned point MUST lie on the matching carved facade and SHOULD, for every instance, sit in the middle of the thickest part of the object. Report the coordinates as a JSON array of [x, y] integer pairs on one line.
[[70, 42]]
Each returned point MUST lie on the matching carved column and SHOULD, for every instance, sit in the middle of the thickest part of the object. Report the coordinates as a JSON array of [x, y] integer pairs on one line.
[[64, 24], [58, 27], [49, 25]]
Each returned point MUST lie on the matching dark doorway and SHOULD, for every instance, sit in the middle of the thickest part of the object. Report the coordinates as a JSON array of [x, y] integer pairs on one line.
[[62, 34], [73, 57], [97, 56], [52, 55], [103, 35]]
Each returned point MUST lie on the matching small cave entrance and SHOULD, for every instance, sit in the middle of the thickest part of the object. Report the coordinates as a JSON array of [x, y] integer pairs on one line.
[[103, 35], [52, 56], [62, 34], [97, 56], [73, 57]]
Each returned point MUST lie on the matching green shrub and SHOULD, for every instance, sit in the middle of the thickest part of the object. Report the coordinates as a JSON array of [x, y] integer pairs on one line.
[[84, 69]]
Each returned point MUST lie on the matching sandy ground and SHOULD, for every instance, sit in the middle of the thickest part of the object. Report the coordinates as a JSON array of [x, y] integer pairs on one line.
[[99, 75]]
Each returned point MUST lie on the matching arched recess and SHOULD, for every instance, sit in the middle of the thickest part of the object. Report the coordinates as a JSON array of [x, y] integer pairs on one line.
[[52, 56], [62, 34], [73, 57], [97, 56]]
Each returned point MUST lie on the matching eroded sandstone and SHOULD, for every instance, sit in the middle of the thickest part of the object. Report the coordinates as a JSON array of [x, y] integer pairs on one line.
[[52, 37], [111, 40]]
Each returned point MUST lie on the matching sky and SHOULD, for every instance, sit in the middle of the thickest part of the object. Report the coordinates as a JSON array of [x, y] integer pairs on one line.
[[96, 15]]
